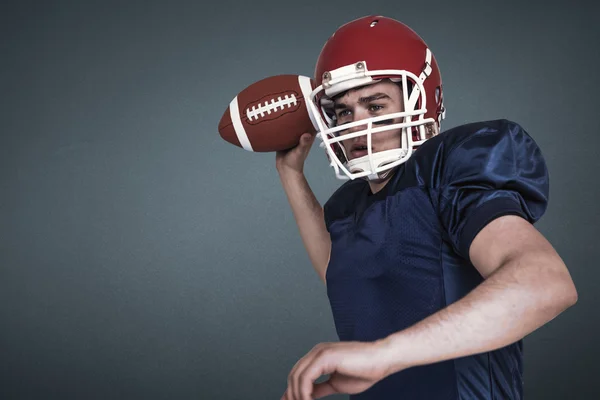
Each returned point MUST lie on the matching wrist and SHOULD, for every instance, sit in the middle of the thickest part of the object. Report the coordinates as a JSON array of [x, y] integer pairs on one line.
[[286, 173], [394, 352]]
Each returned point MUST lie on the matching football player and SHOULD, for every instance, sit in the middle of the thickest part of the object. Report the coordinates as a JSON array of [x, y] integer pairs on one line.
[[433, 268]]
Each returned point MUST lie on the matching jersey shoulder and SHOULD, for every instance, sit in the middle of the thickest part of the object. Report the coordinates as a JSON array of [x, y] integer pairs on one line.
[[460, 147], [456, 136], [465, 146]]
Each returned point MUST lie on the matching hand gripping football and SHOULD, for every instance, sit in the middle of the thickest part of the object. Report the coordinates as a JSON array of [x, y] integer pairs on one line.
[[270, 114]]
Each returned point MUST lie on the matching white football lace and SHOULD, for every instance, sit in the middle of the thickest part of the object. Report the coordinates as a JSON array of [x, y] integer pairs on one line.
[[258, 111]]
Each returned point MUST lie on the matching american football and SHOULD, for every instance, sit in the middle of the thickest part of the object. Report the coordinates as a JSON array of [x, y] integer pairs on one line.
[[269, 115]]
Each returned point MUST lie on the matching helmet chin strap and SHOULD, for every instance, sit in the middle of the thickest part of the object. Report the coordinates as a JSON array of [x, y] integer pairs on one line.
[[379, 159]]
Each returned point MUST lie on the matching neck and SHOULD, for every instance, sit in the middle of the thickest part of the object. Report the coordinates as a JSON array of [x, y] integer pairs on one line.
[[376, 186]]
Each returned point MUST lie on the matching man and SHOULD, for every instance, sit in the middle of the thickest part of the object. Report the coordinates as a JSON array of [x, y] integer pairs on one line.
[[433, 268]]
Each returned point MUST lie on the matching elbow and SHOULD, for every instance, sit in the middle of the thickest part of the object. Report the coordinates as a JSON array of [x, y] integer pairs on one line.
[[561, 292], [570, 291], [555, 298], [571, 295], [556, 291], [565, 293]]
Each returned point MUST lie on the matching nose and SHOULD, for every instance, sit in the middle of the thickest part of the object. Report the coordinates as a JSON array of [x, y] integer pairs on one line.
[[358, 115]]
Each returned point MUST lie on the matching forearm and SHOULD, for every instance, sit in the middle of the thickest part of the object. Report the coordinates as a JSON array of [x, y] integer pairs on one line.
[[521, 296], [308, 214]]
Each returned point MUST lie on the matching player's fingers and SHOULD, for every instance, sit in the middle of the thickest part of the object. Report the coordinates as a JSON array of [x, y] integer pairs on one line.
[[298, 370], [305, 141], [323, 389], [287, 395], [296, 374], [299, 153], [292, 379], [319, 366]]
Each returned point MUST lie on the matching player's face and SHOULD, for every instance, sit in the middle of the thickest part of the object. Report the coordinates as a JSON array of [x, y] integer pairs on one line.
[[384, 97]]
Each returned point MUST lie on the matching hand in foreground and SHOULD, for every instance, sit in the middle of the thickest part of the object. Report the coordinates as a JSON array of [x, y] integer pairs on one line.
[[353, 367]]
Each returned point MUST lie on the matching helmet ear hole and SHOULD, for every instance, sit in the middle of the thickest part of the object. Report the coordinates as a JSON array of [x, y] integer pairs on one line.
[[374, 22]]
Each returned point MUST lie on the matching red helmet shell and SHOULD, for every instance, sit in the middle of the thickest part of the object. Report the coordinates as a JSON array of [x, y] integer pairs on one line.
[[384, 44]]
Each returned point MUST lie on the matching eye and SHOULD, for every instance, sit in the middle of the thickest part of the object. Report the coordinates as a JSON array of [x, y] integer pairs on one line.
[[343, 113], [375, 107]]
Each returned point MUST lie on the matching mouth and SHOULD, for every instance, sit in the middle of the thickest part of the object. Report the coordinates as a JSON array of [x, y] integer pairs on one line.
[[359, 150]]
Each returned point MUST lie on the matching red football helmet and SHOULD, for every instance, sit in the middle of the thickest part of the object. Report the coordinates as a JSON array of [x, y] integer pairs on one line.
[[362, 52]]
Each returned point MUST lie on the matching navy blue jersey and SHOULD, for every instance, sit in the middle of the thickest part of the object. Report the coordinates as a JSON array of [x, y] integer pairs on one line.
[[402, 254]]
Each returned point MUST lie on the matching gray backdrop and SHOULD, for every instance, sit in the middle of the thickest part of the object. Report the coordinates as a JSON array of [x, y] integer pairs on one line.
[[142, 257]]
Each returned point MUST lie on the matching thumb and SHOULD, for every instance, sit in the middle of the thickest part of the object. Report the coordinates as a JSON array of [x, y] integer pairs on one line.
[[306, 139]]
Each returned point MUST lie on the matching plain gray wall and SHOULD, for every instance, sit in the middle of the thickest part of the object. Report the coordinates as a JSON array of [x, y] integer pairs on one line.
[[143, 257]]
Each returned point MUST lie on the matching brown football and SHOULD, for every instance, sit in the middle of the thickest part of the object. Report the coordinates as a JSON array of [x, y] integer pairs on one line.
[[270, 114]]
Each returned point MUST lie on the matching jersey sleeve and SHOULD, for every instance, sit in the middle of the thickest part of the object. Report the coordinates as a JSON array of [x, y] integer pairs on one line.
[[488, 174]]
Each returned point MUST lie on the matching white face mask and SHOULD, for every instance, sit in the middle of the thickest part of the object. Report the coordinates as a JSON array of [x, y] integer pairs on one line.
[[372, 166]]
